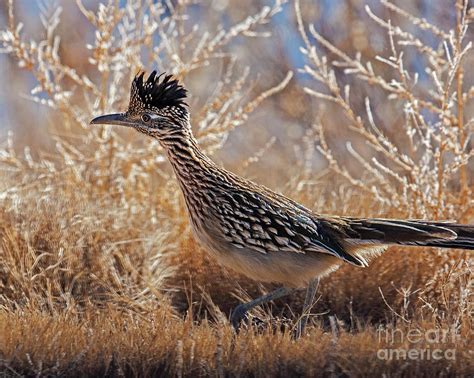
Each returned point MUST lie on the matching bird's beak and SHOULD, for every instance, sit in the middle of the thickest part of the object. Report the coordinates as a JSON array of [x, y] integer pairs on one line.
[[111, 119]]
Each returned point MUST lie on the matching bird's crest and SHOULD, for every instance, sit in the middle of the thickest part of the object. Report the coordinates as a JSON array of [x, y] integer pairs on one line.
[[155, 95]]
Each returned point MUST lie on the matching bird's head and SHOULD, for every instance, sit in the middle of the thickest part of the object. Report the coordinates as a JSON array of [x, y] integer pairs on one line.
[[156, 108]]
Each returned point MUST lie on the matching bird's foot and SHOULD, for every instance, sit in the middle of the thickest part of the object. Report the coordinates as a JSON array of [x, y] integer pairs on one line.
[[237, 315]]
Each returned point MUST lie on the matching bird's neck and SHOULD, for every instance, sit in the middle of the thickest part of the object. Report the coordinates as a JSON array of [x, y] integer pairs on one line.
[[196, 173], [189, 163]]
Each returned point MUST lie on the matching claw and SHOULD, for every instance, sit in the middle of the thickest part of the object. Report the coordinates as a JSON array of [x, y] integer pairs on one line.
[[237, 315]]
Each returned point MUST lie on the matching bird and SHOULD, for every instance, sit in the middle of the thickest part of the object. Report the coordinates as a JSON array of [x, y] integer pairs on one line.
[[253, 230]]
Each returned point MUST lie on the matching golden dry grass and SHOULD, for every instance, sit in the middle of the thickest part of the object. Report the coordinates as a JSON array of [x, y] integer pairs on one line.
[[113, 342], [99, 272]]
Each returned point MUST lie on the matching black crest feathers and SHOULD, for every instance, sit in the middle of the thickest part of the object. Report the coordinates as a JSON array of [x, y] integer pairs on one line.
[[152, 93]]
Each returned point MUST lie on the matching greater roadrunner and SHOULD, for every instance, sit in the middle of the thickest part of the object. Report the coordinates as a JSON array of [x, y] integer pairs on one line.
[[253, 230]]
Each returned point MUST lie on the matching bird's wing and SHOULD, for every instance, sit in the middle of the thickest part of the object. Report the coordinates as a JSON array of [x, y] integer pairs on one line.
[[265, 221], [270, 223]]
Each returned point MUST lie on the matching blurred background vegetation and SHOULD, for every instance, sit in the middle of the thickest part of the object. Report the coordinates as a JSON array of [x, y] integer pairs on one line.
[[282, 119]]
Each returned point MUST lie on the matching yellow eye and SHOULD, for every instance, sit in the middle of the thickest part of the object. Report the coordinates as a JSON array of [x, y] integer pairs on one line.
[[146, 118]]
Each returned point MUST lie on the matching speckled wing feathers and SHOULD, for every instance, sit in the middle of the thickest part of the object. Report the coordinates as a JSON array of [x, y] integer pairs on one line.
[[252, 219]]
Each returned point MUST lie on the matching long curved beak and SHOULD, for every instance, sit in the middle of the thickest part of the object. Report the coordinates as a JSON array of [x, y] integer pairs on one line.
[[111, 119]]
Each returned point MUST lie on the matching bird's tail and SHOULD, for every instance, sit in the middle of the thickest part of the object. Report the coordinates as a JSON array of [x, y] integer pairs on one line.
[[365, 237], [413, 232]]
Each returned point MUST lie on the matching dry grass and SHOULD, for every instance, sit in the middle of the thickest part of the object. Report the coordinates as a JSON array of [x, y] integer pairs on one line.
[[99, 273], [115, 343]]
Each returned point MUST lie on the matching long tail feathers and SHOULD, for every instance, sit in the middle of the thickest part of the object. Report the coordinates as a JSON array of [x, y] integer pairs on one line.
[[365, 237], [464, 237]]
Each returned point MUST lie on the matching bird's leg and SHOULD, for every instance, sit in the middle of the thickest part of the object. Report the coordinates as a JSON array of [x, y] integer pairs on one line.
[[308, 304], [239, 312]]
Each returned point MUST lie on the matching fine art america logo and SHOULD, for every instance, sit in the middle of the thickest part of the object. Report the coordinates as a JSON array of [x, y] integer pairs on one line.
[[415, 344]]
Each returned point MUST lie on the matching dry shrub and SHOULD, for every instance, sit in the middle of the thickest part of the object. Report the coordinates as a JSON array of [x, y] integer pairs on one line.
[[99, 273], [424, 168]]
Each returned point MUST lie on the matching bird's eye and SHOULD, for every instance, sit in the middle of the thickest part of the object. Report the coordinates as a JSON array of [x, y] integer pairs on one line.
[[146, 118]]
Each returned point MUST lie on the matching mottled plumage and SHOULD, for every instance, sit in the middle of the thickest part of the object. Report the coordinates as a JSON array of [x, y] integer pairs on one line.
[[252, 229]]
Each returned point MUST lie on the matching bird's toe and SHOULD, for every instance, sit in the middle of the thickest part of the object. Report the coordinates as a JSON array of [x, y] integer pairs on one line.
[[237, 315]]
